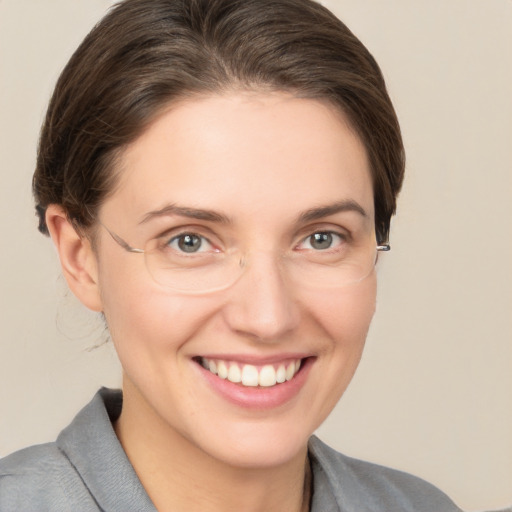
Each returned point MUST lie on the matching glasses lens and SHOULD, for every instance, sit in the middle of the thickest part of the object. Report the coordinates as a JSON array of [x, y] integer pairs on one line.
[[334, 269], [193, 270]]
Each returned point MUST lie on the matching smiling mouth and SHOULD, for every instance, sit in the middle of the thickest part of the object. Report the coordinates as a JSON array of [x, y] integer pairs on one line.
[[249, 375]]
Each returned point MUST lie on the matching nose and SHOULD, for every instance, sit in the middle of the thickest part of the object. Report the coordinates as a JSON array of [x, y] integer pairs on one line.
[[261, 304]]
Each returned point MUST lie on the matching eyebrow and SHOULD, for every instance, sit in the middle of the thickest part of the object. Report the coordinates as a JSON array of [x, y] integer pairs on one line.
[[185, 211], [320, 212], [213, 216]]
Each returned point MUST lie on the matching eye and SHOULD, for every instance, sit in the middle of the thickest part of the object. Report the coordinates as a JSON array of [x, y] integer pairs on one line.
[[321, 241], [189, 243]]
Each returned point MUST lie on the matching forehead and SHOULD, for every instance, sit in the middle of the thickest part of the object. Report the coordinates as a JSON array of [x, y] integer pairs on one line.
[[244, 154]]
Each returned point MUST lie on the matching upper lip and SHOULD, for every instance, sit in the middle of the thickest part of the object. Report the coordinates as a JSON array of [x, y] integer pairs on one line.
[[257, 360]]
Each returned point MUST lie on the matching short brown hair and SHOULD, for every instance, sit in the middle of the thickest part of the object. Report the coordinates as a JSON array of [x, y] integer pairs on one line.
[[145, 54]]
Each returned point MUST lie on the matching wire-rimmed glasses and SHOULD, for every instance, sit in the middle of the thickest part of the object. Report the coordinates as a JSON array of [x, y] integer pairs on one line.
[[180, 263]]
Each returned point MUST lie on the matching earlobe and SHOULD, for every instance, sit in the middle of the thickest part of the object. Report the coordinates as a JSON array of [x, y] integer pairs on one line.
[[77, 258]]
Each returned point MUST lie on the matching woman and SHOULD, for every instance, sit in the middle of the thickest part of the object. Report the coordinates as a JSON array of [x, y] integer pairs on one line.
[[218, 178]]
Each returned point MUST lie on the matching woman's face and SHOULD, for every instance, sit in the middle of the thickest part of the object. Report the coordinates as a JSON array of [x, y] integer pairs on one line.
[[253, 172]]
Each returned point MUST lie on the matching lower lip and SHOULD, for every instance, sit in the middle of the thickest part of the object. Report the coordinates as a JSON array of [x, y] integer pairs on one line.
[[259, 397]]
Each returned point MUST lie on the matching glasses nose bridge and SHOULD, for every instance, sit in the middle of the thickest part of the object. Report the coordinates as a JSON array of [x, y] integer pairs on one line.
[[265, 262], [261, 302]]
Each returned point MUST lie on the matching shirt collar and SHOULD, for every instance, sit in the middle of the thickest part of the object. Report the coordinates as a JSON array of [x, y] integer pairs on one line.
[[92, 447], [94, 450]]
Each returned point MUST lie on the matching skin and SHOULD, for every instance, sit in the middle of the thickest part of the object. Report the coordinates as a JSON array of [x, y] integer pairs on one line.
[[263, 159]]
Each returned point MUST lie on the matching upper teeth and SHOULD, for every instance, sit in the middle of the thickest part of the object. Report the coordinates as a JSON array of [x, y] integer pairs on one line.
[[250, 375]]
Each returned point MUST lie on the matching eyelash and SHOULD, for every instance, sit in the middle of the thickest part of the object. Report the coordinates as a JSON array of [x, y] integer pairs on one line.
[[170, 238], [173, 236], [342, 238]]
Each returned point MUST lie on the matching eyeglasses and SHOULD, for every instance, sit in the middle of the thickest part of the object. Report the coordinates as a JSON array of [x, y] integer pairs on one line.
[[189, 262]]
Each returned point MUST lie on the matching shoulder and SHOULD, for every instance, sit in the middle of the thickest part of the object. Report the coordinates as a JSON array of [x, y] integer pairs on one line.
[[40, 478], [33, 465], [367, 486], [85, 470]]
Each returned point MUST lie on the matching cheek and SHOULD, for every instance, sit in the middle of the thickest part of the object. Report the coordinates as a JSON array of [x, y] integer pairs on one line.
[[143, 319], [344, 317], [345, 314]]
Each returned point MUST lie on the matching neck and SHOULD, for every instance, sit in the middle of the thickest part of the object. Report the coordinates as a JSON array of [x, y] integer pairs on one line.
[[176, 473]]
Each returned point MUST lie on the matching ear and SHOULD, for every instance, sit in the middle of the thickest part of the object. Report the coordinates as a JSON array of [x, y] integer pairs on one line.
[[77, 258]]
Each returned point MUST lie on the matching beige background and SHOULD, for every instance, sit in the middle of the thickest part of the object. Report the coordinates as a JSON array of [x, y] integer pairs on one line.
[[433, 395]]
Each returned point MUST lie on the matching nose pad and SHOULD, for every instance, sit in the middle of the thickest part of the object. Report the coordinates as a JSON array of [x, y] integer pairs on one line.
[[261, 303]]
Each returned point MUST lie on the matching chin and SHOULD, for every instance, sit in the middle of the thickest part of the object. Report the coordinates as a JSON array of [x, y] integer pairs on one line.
[[272, 439], [261, 447]]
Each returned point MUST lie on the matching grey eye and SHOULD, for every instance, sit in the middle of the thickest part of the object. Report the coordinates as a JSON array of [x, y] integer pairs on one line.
[[187, 242], [321, 241]]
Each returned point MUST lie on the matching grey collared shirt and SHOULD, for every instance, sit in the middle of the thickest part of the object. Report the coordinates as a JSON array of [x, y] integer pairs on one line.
[[87, 470]]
